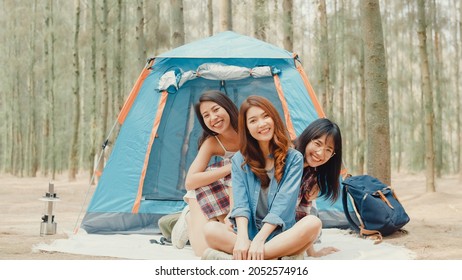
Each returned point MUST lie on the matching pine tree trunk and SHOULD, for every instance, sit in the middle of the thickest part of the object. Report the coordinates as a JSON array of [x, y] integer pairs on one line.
[[226, 19], [324, 54], [104, 71], [73, 158], [33, 141], [428, 98], [119, 57], [439, 98], [459, 95], [210, 17], [288, 25], [377, 123], [362, 116], [156, 23], [93, 113], [260, 20], [341, 89], [177, 23], [50, 127], [140, 38]]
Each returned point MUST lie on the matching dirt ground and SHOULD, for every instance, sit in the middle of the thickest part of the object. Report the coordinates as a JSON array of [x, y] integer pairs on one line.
[[434, 232]]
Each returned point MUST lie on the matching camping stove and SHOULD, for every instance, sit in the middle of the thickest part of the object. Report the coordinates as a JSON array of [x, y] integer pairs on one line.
[[48, 225]]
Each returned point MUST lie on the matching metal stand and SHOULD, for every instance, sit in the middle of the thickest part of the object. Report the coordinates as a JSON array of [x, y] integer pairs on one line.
[[48, 225]]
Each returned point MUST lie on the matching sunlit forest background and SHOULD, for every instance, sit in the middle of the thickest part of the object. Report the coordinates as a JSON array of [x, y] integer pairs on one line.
[[67, 67]]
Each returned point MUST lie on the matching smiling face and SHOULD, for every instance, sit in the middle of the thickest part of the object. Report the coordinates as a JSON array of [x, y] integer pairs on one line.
[[215, 117], [259, 124], [319, 151]]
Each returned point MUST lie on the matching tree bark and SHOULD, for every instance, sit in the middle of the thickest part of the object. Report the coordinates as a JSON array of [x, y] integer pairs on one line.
[[324, 53], [140, 38], [33, 141], [156, 23], [177, 23], [439, 96], [377, 123], [49, 148], [104, 72], [226, 19], [341, 89], [428, 98], [459, 96], [362, 115], [119, 57], [94, 90], [260, 20], [288, 25], [73, 158], [210, 17]]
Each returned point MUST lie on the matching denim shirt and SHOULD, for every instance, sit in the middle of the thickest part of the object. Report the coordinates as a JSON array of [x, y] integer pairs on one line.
[[282, 197]]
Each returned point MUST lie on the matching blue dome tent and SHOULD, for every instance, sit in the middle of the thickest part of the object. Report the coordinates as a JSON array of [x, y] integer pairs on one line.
[[144, 175]]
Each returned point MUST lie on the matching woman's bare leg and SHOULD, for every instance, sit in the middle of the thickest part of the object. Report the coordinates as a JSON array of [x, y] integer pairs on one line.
[[294, 240], [196, 221], [219, 236]]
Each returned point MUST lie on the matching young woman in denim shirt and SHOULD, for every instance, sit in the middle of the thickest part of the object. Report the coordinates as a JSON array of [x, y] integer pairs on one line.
[[266, 176]]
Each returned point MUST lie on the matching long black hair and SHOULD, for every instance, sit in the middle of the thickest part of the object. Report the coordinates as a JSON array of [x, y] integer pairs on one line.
[[329, 172], [221, 99]]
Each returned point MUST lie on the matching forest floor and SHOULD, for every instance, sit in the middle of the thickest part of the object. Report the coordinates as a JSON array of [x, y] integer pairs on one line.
[[434, 232]]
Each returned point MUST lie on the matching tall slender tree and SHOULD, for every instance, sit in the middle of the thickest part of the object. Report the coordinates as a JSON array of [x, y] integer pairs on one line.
[[73, 159], [119, 57], [362, 115], [140, 38], [438, 98], [459, 94], [226, 18], [49, 148], [260, 20], [94, 91], [428, 98], [177, 23], [210, 17], [33, 141], [377, 123], [324, 57], [288, 24], [104, 71]]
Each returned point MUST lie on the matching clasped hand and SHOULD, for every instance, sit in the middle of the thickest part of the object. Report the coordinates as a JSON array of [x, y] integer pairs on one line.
[[244, 249]]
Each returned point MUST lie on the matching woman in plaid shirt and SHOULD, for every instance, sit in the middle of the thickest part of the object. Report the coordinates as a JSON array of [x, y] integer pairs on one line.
[[208, 187]]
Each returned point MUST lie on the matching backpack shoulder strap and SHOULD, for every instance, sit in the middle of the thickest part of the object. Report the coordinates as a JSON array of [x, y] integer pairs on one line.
[[371, 234], [345, 208]]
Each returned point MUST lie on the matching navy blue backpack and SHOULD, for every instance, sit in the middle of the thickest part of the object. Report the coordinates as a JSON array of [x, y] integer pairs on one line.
[[376, 206]]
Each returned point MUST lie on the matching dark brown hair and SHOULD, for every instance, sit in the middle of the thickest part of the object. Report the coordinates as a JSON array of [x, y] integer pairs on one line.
[[221, 99], [329, 172]]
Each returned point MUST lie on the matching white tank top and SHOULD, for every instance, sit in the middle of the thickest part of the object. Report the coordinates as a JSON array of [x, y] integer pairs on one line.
[[228, 154]]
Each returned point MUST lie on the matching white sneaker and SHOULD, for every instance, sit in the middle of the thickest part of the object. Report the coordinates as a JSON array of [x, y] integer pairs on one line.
[[180, 230], [212, 254]]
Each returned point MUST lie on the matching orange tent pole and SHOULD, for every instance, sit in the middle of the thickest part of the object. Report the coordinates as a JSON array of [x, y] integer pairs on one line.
[[285, 108], [160, 110], [134, 92], [311, 92]]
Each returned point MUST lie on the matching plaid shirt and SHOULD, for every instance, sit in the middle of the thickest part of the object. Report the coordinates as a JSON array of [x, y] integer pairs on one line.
[[214, 198], [304, 204]]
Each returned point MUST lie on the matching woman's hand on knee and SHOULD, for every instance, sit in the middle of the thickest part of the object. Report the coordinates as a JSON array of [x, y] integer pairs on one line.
[[256, 250], [241, 248]]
